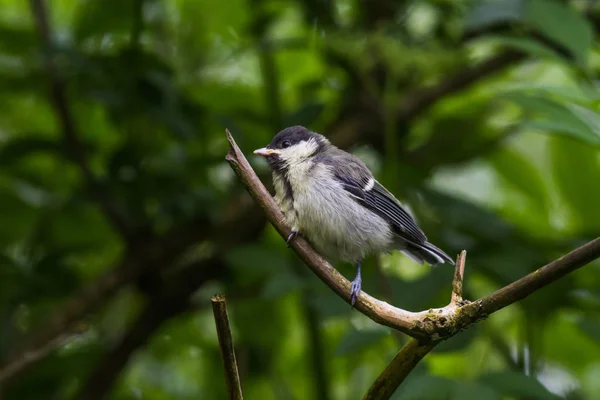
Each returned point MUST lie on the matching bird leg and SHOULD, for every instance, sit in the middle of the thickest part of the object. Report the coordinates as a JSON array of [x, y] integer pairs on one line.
[[290, 237], [356, 285]]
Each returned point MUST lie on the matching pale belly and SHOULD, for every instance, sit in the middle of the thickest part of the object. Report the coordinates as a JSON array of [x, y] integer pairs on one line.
[[336, 225]]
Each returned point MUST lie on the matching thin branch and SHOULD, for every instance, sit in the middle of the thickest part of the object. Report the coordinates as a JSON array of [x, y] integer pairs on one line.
[[430, 325], [153, 255], [31, 357], [232, 377], [423, 98], [412, 352], [457, 282], [394, 374], [172, 300], [61, 105]]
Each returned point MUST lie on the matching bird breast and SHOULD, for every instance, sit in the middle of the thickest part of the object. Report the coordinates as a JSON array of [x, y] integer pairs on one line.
[[324, 213]]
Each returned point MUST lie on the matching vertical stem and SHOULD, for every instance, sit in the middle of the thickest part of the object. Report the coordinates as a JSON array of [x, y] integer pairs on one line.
[[395, 373], [232, 377], [316, 349], [457, 282]]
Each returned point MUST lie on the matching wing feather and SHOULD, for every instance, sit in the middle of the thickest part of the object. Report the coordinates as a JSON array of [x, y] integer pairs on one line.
[[383, 203]]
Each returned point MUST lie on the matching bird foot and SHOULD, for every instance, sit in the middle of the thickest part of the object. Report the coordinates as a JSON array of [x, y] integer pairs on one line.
[[290, 237], [355, 290]]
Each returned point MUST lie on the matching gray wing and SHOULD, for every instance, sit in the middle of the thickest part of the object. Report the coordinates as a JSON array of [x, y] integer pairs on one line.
[[355, 176]]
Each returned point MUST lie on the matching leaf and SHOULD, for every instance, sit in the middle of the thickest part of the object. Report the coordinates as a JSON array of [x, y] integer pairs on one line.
[[574, 167], [558, 118], [517, 384], [355, 341], [99, 17], [492, 12], [17, 149], [281, 283], [591, 327], [519, 173], [306, 115], [466, 390], [425, 387], [562, 24], [527, 45]]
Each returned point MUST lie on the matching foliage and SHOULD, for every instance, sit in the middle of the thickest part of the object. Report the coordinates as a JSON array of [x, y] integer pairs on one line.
[[502, 162]]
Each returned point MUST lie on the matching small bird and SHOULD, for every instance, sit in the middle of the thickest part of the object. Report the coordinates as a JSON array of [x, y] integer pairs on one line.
[[332, 199]]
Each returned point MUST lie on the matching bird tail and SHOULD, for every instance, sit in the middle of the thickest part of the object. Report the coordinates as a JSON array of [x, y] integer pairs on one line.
[[426, 252]]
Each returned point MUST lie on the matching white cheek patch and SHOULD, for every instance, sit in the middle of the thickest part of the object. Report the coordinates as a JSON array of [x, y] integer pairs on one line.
[[299, 152]]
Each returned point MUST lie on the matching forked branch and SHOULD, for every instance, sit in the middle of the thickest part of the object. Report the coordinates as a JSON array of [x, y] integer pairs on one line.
[[430, 325]]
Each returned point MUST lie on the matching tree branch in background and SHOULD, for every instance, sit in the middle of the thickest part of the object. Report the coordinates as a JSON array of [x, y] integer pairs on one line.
[[154, 254], [349, 129], [34, 355], [427, 326], [74, 147], [171, 301], [394, 374], [423, 98], [232, 377]]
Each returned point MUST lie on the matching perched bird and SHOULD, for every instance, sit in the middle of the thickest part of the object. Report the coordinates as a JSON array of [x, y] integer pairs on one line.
[[332, 199]]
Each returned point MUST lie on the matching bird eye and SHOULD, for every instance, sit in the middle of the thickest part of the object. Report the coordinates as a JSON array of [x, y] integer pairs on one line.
[[286, 143]]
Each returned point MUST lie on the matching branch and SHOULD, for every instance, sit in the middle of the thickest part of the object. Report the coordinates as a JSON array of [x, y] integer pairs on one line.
[[423, 98], [171, 301], [430, 325], [457, 282], [394, 374], [232, 377], [59, 102], [153, 255], [28, 358], [360, 122]]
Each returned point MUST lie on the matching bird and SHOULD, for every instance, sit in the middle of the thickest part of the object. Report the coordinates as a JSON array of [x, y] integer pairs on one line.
[[332, 199]]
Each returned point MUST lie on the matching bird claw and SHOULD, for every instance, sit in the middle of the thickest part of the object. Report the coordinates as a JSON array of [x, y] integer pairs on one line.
[[290, 237], [355, 290]]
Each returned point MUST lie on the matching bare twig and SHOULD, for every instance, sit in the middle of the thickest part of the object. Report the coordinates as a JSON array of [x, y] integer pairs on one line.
[[457, 282], [394, 374], [232, 377], [430, 325], [30, 357], [422, 98], [61, 105], [152, 255]]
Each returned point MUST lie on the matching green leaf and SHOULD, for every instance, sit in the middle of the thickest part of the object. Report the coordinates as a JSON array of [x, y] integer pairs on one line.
[[554, 117], [425, 387], [282, 283], [562, 24], [527, 45], [17, 149], [492, 12], [474, 391], [517, 384], [576, 171], [355, 341], [517, 172], [591, 327]]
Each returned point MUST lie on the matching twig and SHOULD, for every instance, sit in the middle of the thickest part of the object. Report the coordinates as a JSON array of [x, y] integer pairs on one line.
[[30, 357], [152, 255], [457, 282], [394, 374], [422, 98], [61, 106], [232, 377], [430, 325]]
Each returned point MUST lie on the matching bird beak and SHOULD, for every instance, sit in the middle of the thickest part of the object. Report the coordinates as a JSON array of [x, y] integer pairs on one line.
[[266, 152]]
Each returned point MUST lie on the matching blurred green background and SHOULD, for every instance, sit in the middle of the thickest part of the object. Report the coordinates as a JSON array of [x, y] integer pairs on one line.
[[482, 116]]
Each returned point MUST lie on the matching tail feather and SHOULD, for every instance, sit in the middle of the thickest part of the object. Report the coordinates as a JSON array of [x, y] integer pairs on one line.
[[426, 252]]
